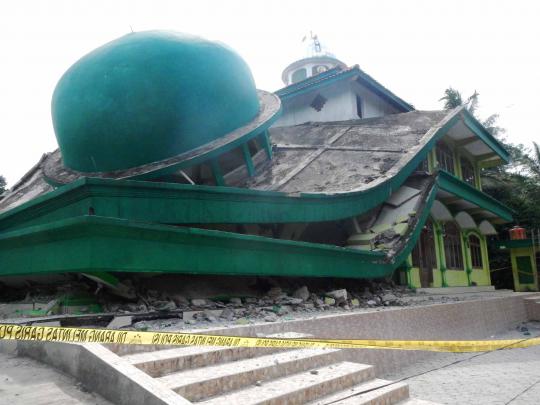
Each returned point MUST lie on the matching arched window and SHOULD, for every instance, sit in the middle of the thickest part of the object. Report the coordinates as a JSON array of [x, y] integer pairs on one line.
[[476, 251], [452, 246], [299, 75]]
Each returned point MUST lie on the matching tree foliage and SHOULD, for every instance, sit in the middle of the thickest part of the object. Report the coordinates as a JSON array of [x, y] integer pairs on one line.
[[516, 184], [2, 184]]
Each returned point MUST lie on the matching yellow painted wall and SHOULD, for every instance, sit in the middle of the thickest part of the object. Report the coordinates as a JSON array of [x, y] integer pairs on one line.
[[523, 252], [414, 280], [456, 278], [480, 278]]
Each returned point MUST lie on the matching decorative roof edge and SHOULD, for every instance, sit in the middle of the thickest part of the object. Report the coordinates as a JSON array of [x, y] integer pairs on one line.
[[335, 74]]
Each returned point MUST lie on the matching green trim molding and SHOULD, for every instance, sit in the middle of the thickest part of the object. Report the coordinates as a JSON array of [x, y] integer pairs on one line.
[[94, 244], [459, 188], [333, 75], [479, 130]]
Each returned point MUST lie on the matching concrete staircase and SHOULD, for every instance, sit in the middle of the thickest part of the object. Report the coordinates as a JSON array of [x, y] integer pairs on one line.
[[231, 375], [532, 305]]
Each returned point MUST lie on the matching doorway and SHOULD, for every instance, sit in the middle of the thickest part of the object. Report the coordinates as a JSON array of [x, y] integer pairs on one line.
[[423, 255]]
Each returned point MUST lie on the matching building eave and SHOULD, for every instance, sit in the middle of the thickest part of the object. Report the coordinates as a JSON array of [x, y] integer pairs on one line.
[[481, 132], [333, 75], [460, 189]]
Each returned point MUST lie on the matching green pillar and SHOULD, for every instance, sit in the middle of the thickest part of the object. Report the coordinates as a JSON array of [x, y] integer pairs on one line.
[[442, 259], [466, 257], [265, 140], [216, 171], [247, 158]]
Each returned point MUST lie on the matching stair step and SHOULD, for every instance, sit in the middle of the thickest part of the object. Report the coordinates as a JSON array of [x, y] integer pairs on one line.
[[416, 401], [161, 362], [299, 388], [387, 394], [206, 382]]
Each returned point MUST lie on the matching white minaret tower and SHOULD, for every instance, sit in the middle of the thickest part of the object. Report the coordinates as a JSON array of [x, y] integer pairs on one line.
[[317, 60]]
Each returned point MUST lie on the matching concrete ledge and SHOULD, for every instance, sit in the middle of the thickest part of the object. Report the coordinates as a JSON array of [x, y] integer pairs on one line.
[[455, 290], [472, 319], [100, 370]]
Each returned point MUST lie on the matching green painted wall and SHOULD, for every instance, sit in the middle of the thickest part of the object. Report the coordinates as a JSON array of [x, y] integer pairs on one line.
[[526, 254], [455, 278]]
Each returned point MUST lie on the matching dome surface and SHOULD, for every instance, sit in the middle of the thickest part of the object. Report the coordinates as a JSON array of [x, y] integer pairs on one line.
[[148, 96]]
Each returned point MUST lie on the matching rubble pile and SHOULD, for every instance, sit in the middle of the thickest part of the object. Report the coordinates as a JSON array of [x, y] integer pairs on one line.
[[183, 306]]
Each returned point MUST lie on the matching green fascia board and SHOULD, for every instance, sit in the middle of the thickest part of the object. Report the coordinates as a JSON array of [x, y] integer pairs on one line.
[[331, 77], [95, 244], [513, 244], [458, 187], [302, 83], [183, 203], [479, 130], [404, 253]]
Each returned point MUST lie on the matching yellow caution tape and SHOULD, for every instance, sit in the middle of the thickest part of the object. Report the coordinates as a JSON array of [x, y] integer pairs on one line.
[[86, 335]]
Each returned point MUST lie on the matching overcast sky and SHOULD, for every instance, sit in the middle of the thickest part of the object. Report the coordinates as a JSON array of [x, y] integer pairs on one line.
[[414, 48]]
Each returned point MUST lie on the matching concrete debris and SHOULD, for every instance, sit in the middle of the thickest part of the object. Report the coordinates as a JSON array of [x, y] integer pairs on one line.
[[329, 301], [161, 309], [227, 314], [274, 292], [120, 322], [198, 302], [236, 301], [271, 317], [302, 293], [339, 295], [180, 300]]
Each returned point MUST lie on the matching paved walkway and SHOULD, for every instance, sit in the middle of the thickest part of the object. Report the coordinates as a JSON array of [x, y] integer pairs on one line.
[[24, 381], [501, 377]]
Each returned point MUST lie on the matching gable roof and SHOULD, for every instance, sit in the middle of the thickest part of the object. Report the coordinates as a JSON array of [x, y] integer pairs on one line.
[[336, 74]]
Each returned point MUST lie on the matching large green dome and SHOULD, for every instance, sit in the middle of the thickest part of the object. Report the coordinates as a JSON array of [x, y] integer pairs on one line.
[[148, 96]]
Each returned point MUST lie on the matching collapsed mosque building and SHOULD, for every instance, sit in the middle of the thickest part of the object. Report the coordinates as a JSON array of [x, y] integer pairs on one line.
[[171, 161]]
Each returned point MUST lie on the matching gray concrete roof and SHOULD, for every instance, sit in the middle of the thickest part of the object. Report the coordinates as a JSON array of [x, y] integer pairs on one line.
[[344, 156]]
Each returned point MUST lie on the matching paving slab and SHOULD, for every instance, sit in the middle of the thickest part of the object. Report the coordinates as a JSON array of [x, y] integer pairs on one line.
[[500, 377]]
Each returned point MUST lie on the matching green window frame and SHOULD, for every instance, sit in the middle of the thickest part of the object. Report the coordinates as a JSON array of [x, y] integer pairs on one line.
[[453, 251], [475, 247]]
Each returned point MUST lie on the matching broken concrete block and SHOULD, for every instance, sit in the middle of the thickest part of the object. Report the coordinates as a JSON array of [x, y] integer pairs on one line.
[[165, 305], [389, 298], [198, 302], [50, 306], [271, 317], [189, 315], [227, 314], [329, 301], [274, 292], [339, 295], [302, 293], [119, 322], [401, 228], [179, 300], [235, 301]]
